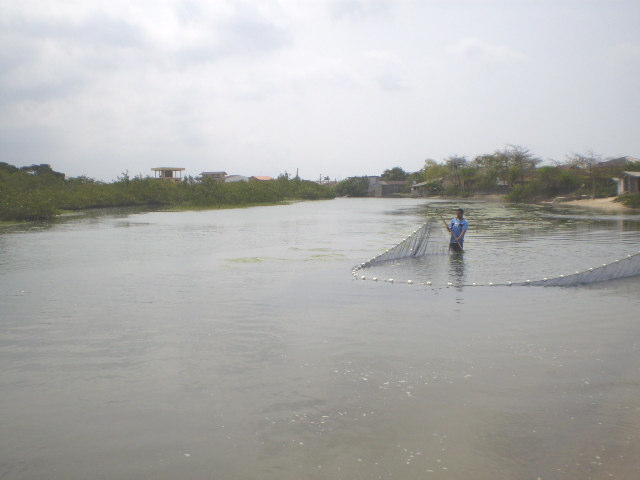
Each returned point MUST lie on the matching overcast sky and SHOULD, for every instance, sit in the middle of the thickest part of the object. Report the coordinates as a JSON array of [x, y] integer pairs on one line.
[[334, 88]]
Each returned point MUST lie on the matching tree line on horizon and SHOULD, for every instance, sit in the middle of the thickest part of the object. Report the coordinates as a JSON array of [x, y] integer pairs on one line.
[[514, 172], [37, 192]]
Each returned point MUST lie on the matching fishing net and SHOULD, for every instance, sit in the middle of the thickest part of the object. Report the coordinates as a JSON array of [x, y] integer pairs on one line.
[[622, 268], [410, 256], [419, 243]]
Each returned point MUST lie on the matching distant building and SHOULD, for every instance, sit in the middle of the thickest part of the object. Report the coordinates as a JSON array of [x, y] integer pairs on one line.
[[261, 178], [168, 173], [216, 176], [236, 178], [386, 188], [629, 182], [373, 181], [419, 189]]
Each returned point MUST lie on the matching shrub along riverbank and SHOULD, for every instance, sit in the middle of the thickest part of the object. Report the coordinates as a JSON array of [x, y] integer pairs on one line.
[[631, 200], [39, 193]]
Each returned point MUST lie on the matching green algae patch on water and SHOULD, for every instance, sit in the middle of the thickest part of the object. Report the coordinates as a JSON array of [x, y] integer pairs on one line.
[[325, 257], [196, 208], [247, 260]]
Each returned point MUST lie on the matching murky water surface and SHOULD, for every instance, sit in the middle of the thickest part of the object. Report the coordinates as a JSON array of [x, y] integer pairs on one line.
[[235, 344]]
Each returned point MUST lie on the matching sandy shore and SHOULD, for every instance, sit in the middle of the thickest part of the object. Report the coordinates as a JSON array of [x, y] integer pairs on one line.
[[602, 204], [605, 204]]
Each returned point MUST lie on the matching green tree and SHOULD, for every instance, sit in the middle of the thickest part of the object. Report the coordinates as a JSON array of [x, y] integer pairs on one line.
[[520, 162], [353, 187], [491, 172], [589, 163], [433, 171], [456, 164], [394, 174]]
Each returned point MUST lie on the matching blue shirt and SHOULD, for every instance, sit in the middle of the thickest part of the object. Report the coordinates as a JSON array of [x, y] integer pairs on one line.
[[457, 227]]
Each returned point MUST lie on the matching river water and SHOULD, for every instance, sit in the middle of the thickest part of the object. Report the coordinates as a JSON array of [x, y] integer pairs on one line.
[[236, 344]]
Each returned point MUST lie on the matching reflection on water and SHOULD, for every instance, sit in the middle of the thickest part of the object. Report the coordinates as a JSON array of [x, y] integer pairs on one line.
[[456, 270], [236, 344]]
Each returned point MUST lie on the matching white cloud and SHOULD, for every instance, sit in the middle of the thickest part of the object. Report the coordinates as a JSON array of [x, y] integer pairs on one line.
[[477, 49], [388, 70], [341, 87], [242, 31], [358, 9], [623, 57]]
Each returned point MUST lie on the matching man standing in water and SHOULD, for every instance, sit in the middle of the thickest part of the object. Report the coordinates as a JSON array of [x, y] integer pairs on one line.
[[458, 227]]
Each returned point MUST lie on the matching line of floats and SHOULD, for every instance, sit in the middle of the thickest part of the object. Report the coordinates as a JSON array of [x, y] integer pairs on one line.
[[542, 282]]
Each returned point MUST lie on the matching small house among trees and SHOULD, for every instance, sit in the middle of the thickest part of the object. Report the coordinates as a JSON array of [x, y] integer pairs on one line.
[[628, 182], [215, 176], [168, 173]]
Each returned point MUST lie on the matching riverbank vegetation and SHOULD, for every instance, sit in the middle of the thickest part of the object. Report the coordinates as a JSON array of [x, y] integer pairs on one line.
[[514, 172], [39, 193], [631, 200]]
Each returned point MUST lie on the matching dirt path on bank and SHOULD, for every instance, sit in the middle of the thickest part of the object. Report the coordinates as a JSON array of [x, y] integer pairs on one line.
[[605, 204]]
